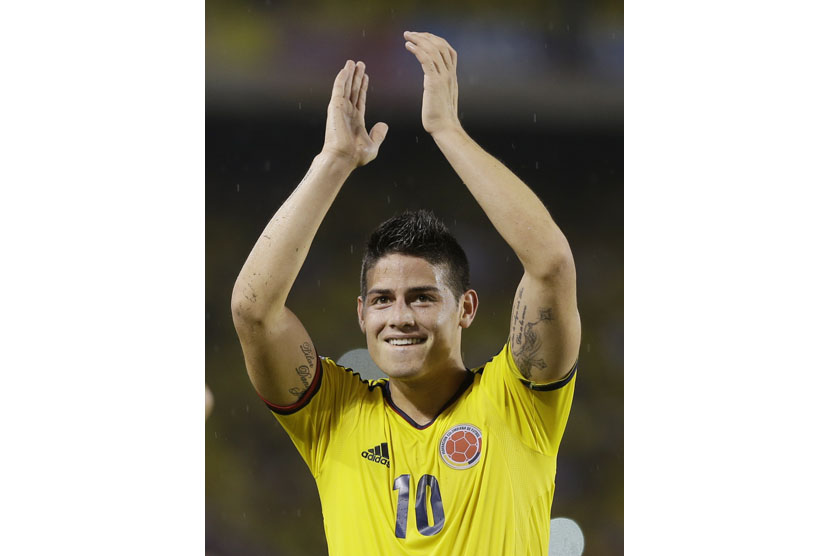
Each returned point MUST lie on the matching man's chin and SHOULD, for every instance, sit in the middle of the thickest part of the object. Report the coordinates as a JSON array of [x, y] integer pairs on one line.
[[399, 372], [400, 369]]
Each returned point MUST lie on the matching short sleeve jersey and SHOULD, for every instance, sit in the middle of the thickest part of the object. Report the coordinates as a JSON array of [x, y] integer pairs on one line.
[[477, 480]]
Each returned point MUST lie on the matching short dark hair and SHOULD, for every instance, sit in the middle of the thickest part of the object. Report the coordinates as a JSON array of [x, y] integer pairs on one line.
[[419, 234]]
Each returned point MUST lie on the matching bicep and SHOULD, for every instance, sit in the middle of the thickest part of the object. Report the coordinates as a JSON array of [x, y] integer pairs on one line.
[[545, 329], [279, 356]]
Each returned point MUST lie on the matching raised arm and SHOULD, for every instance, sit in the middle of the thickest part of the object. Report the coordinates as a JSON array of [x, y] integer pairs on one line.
[[279, 354], [545, 328]]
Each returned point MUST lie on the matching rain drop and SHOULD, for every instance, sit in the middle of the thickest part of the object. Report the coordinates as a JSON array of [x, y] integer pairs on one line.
[[237, 188], [388, 200], [364, 33], [416, 138], [301, 105], [534, 117], [537, 164], [351, 248]]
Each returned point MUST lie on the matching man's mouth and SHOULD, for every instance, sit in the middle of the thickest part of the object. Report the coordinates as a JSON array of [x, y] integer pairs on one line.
[[405, 341]]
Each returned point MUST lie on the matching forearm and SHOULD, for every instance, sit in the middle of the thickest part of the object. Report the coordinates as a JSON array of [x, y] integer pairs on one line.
[[515, 211], [275, 261]]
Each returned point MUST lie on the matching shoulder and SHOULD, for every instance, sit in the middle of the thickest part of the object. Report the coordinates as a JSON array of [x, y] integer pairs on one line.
[[341, 377], [504, 365]]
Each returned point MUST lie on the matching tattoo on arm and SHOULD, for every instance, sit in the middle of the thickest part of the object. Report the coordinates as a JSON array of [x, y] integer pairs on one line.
[[308, 351], [526, 339], [303, 372]]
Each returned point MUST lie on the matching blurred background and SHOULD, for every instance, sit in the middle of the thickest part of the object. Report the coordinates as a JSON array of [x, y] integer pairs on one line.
[[541, 88]]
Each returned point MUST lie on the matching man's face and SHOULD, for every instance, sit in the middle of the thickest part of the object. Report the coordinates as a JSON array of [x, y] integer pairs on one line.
[[411, 318]]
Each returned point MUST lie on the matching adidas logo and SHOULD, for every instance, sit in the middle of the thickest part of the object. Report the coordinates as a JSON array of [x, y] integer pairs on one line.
[[378, 454]]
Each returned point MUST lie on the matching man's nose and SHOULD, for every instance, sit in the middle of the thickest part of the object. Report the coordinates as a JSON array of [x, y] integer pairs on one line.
[[402, 314]]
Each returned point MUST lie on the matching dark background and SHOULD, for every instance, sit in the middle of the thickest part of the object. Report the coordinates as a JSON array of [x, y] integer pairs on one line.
[[541, 88]]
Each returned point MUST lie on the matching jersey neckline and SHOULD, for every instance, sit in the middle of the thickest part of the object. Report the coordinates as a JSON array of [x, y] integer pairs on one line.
[[387, 395]]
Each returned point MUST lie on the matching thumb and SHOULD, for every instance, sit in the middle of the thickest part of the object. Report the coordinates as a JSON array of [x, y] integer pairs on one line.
[[378, 133]]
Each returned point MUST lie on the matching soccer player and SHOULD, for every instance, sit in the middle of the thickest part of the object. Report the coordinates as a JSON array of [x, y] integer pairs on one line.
[[438, 458]]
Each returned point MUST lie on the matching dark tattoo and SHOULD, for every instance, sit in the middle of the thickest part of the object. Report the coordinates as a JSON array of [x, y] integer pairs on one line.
[[305, 376], [527, 342], [308, 351], [515, 326]]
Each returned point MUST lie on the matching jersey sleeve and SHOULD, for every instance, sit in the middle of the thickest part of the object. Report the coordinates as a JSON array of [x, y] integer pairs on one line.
[[538, 413], [312, 421]]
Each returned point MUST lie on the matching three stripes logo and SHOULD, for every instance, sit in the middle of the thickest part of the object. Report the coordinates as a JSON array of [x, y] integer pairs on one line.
[[378, 454]]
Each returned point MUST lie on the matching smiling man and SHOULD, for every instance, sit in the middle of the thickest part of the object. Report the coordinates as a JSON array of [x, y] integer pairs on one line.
[[438, 458]]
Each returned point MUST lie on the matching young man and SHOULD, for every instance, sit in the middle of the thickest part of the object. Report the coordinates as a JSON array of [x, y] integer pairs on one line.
[[436, 459]]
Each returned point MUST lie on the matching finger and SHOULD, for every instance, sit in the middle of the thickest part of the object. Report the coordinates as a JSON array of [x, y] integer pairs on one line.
[[340, 82], [434, 47], [357, 82], [442, 48], [427, 61], [378, 133], [446, 59], [347, 87], [361, 100]]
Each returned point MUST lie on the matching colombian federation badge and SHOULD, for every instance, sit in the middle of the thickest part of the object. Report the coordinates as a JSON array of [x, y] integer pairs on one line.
[[461, 446]]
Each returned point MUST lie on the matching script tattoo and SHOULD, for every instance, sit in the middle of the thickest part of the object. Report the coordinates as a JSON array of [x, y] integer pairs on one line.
[[303, 372], [308, 351], [526, 339]]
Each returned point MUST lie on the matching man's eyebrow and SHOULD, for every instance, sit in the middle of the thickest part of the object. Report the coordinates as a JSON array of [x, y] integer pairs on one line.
[[416, 289], [419, 289], [378, 290]]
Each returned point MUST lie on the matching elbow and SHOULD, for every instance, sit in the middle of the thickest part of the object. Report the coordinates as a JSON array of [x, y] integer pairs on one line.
[[555, 268], [244, 307]]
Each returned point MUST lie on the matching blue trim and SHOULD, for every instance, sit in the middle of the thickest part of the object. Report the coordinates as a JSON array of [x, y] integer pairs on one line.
[[387, 395]]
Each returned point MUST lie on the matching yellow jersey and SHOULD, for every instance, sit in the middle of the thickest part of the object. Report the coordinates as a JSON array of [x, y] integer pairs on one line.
[[477, 480]]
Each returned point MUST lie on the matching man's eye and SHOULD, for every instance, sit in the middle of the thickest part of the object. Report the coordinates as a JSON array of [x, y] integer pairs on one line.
[[423, 297], [381, 299]]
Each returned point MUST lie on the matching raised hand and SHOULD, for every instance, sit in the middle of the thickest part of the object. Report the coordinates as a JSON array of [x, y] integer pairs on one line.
[[346, 135], [438, 60]]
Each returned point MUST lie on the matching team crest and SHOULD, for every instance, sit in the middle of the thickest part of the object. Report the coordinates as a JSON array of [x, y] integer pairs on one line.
[[461, 446]]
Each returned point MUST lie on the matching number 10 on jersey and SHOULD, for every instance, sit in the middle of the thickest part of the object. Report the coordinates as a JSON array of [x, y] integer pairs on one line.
[[401, 484]]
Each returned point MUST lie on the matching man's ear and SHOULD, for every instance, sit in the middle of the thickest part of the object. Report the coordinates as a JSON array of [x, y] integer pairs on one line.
[[468, 308], [360, 314]]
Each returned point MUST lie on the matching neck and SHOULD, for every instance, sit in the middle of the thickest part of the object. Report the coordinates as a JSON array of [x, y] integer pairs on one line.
[[421, 399]]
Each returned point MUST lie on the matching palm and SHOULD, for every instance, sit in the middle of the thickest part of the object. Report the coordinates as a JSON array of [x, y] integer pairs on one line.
[[440, 102], [346, 134]]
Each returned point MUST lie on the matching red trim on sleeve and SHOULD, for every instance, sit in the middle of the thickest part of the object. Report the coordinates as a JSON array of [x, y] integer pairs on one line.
[[303, 401]]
